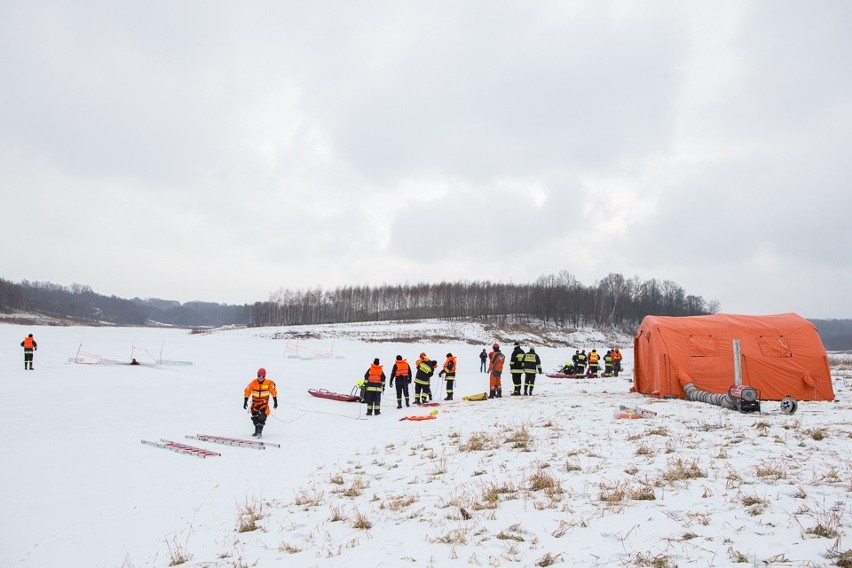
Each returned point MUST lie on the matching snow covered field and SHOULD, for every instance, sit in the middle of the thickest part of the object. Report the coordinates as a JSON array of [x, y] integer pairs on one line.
[[520, 481]]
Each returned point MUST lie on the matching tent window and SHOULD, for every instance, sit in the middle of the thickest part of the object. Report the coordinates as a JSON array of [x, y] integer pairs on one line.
[[774, 346], [703, 346]]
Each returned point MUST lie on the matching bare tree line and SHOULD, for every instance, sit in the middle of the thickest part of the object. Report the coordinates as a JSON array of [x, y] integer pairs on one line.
[[615, 301], [79, 302]]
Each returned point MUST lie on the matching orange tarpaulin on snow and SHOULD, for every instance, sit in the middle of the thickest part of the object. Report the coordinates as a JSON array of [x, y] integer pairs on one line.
[[782, 355]]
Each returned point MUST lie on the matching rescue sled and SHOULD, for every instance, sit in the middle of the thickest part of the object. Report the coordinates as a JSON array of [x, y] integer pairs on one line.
[[322, 393], [564, 376], [418, 418]]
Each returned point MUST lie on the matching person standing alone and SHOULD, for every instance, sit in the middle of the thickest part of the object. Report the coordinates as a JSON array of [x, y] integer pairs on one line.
[[495, 370], [30, 346], [483, 361], [260, 389]]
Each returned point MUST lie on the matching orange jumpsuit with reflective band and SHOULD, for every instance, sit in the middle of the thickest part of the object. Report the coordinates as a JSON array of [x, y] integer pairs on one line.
[[495, 368], [260, 393]]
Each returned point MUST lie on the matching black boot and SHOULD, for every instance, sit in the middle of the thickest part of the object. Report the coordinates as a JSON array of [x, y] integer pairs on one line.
[[492, 394], [406, 403], [257, 429], [399, 404], [449, 396], [500, 392], [530, 391], [525, 390]]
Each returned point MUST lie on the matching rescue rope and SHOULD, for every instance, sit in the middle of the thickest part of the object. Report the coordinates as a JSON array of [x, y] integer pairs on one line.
[[306, 411]]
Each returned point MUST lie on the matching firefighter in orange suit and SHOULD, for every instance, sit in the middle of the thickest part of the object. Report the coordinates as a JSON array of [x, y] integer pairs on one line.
[[375, 377], [30, 346], [616, 361], [449, 371], [495, 369], [260, 390]]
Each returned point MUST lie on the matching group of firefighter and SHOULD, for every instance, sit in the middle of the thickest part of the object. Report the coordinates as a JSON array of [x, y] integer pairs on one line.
[[583, 365], [371, 387], [523, 367]]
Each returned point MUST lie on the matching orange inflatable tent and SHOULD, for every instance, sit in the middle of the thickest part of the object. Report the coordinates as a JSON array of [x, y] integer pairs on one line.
[[781, 355]]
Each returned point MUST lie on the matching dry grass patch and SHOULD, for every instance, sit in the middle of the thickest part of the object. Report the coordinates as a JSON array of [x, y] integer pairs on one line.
[[543, 481], [657, 431], [548, 559], [817, 433], [520, 438], [491, 496], [643, 493], [250, 513], [679, 469], [357, 488], [399, 503], [654, 560], [177, 553], [843, 559], [770, 470], [289, 548], [309, 497], [360, 521], [645, 450], [827, 526], [478, 442], [612, 493]]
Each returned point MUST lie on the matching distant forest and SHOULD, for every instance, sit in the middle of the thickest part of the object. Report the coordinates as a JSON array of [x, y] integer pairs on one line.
[[82, 305], [612, 303]]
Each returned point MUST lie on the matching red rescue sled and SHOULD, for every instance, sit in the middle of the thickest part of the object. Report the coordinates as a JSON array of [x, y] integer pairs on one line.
[[322, 393], [564, 376]]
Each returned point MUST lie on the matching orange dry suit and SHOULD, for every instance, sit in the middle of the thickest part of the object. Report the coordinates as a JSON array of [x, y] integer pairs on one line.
[[260, 393], [495, 368]]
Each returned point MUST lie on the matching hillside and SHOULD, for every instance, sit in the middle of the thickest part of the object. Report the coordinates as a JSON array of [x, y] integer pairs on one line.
[[520, 481]]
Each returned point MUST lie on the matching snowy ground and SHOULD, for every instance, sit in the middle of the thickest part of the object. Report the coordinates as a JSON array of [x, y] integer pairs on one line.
[[520, 481]]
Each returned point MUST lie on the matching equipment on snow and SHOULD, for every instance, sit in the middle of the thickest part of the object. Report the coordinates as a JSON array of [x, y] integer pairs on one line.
[[234, 441], [638, 410], [322, 393], [478, 396], [739, 397], [182, 448], [789, 405]]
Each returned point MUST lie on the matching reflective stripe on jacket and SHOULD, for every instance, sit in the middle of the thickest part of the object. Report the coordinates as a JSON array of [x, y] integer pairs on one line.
[[450, 367], [260, 393], [375, 376]]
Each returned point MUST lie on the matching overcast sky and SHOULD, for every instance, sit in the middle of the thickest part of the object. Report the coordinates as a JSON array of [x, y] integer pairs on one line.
[[219, 151]]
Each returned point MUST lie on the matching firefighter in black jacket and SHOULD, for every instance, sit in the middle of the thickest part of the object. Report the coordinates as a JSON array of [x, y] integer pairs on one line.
[[516, 366], [425, 368], [581, 364], [449, 371], [401, 373], [532, 365]]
